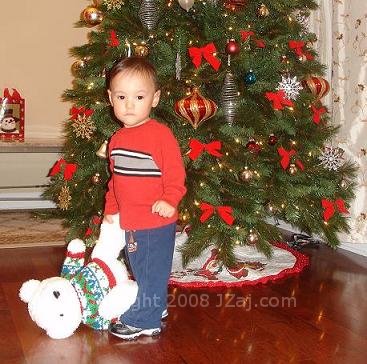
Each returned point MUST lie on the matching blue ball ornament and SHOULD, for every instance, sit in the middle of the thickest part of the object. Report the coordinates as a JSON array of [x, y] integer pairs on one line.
[[250, 77]]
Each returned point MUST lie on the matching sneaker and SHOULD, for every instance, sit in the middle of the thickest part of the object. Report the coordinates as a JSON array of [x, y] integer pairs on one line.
[[127, 332], [164, 314]]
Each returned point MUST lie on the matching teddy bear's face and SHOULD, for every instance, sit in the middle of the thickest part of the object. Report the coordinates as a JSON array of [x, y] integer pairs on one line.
[[55, 307]]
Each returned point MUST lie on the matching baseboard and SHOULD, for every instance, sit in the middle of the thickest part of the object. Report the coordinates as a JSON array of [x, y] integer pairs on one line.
[[28, 200], [357, 248]]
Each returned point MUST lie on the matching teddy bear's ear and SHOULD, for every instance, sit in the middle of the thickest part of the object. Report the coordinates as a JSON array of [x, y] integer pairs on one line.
[[27, 290]]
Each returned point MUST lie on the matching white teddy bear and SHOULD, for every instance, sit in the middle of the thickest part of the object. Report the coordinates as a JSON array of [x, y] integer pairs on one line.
[[93, 294]]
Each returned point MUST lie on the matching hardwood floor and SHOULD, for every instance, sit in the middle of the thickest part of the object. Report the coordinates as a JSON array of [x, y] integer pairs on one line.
[[318, 316]]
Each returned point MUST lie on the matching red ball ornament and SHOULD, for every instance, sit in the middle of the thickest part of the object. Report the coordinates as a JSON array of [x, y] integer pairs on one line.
[[272, 139], [232, 47], [253, 146], [318, 86], [195, 108]]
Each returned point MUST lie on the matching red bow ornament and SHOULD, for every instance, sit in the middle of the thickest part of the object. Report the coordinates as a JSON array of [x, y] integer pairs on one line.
[[207, 52], [245, 35], [329, 207], [77, 113], [316, 113], [278, 99], [12, 98], [286, 158], [225, 212], [297, 47], [197, 148], [113, 41], [69, 169]]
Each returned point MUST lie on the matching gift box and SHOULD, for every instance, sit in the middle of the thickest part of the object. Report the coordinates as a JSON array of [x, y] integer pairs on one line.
[[12, 107]]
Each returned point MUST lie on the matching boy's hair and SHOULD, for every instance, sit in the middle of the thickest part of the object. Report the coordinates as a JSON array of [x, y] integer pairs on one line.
[[134, 65]]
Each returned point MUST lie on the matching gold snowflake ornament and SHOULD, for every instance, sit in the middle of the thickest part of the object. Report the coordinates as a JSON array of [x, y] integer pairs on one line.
[[64, 198], [83, 126], [113, 4]]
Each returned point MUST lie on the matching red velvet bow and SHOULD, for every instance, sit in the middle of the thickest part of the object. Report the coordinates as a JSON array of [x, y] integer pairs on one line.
[[316, 113], [69, 169], [13, 98], [225, 212], [297, 46], [329, 207], [260, 43], [96, 220], [207, 52], [114, 41], [75, 112], [246, 34], [286, 158], [278, 99], [197, 148]]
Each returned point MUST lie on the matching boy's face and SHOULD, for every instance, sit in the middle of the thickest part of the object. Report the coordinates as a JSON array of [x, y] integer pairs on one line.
[[132, 96]]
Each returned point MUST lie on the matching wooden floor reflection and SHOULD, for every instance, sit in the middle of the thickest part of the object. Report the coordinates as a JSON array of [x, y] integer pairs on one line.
[[318, 316]]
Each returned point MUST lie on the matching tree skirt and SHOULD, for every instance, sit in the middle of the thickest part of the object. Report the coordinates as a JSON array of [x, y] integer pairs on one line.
[[252, 267]]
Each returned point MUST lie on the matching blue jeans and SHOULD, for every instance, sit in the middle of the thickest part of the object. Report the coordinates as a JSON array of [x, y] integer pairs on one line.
[[150, 254]]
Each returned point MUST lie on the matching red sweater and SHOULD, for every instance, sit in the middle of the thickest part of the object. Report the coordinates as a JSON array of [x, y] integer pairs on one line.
[[146, 166]]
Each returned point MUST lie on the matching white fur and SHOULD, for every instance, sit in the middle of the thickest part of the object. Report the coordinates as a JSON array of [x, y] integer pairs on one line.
[[53, 303], [111, 239], [118, 300], [76, 246], [28, 289]]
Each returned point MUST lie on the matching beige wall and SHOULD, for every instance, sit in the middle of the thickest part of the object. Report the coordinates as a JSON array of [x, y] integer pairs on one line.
[[36, 37]]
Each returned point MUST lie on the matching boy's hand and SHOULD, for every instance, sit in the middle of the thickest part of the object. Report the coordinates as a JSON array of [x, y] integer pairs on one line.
[[108, 219], [163, 208]]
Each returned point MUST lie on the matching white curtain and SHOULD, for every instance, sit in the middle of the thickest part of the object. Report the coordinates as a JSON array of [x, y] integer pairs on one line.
[[341, 28]]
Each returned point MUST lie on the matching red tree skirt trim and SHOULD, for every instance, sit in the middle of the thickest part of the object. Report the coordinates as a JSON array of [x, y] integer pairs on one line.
[[208, 272]]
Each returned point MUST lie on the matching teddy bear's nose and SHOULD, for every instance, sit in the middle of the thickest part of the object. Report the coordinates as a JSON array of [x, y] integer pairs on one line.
[[56, 294]]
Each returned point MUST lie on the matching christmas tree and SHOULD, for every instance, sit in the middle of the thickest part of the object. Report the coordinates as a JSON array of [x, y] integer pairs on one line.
[[241, 90]]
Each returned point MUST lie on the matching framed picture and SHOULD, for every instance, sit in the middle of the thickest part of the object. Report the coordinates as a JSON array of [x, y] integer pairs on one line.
[[12, 107]]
